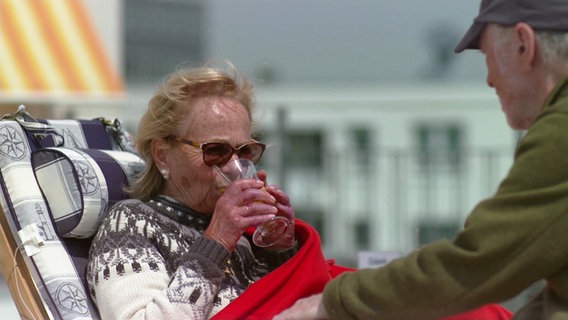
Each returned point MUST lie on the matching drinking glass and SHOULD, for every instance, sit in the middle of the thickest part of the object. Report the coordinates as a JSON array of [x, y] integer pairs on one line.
[[269, 232]]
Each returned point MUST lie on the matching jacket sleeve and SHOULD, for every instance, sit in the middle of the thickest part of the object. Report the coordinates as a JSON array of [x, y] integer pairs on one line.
[[509, 241]]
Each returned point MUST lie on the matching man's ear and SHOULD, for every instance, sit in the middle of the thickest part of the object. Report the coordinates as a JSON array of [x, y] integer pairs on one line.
[[526, 45], [159, 146]]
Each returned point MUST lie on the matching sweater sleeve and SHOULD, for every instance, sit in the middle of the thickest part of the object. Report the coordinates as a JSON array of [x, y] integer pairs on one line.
[[509, 241], [132, 276]]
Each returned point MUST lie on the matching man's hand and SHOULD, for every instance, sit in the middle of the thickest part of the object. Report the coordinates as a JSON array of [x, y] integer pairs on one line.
[[310, 308]]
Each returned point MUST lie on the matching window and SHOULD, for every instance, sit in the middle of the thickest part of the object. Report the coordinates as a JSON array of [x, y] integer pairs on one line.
[[363, 148], [307, 149], [439, 146], [160, 35]]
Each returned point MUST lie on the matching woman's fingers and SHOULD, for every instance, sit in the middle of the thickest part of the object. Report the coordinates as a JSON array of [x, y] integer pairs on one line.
[[246, 203], [280, 195], [245, 191], [258, 208]]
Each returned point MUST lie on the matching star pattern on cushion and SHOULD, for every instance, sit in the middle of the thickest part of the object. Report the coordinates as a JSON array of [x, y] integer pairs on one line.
[[71, 298], [12, 143], [87, 178]]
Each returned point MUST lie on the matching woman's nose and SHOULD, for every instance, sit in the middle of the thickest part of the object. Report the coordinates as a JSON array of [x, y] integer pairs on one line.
[[234, 157]]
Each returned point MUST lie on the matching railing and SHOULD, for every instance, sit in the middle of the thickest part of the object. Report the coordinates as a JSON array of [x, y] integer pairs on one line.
[[393, 199]]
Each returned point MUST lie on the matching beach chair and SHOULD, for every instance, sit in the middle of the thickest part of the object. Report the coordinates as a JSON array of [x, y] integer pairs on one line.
[[57, 178]]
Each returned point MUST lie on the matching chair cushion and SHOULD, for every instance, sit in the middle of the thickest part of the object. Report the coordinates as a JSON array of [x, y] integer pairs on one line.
[[79, 185]]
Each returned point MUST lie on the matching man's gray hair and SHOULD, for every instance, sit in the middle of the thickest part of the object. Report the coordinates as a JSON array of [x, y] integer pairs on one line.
[[554, 48]]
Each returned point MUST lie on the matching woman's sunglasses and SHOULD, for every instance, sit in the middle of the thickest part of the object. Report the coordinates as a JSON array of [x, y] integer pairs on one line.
[[219, 153]]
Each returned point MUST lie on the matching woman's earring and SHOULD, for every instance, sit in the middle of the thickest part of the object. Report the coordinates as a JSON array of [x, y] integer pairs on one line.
[[165, 173]]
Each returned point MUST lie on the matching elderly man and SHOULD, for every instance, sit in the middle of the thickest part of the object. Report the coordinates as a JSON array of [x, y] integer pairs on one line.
[[519, 235]]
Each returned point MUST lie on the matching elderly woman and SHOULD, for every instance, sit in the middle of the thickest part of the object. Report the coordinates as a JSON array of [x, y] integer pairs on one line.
[[176, 249]]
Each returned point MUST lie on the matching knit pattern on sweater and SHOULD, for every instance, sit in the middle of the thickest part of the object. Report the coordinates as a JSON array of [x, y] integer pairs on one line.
[[150, 260]]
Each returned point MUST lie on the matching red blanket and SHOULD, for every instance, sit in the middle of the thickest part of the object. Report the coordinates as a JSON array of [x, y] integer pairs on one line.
[[303, 275]]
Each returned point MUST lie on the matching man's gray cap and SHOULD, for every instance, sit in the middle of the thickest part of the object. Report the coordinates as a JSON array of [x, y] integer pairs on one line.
[[551, 15]]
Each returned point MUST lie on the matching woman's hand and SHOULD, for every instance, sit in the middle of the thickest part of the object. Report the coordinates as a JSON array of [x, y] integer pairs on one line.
[[285, 210], [244, 204]]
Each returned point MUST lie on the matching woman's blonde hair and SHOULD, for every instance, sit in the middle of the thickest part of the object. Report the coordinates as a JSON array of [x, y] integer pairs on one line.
[[179, 90]]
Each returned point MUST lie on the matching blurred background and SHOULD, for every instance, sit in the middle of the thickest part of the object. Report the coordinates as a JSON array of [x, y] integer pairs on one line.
[[382, 136]]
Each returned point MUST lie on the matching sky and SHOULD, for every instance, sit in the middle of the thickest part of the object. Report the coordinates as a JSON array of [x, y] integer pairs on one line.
[[345, 40]]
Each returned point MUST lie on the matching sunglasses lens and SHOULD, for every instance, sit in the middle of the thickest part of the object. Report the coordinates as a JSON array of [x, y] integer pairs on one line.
[[252, 151], [216, 153]]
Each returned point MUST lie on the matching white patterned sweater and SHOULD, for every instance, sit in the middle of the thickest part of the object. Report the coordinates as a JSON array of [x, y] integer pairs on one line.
[[149, 260]]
